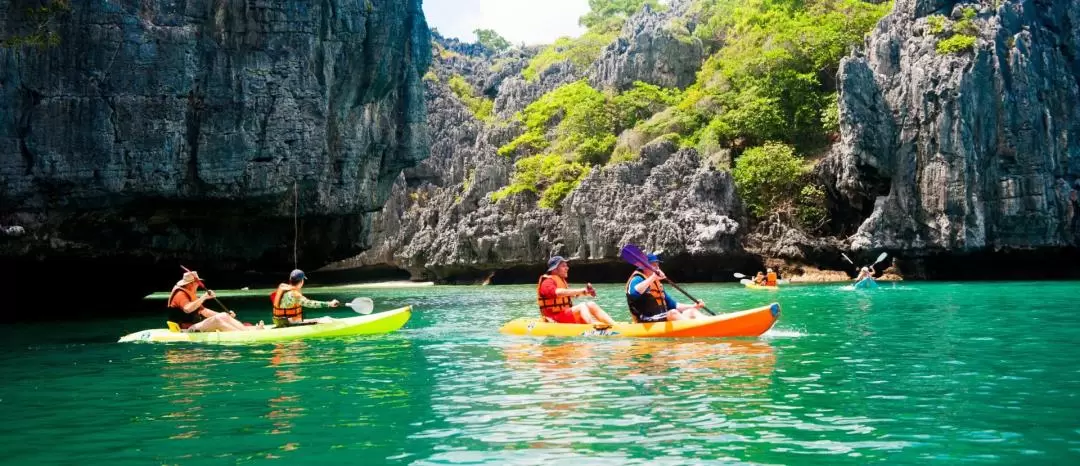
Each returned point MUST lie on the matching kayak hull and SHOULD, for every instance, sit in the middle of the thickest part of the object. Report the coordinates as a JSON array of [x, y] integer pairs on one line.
[[752, 286], [382, 322], [748, 323], [866, 283]]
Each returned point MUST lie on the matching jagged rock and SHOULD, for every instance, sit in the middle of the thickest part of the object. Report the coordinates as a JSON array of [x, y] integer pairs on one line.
[[651, 48], [963, 152], [515, 92], [161, 131]]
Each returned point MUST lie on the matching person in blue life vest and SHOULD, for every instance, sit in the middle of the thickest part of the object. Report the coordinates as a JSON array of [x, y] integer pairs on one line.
[[650, 303]]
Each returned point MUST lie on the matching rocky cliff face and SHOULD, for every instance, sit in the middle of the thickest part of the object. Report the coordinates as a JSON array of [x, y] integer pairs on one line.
[[440, 225], [651, 49], [969, 152], [156, 133]]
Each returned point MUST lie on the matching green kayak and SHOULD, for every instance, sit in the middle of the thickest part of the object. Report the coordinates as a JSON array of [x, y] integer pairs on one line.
[[382, 322]]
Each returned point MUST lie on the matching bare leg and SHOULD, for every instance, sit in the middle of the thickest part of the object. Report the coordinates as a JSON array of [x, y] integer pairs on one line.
[[693, 314], [583, 314], [222, 322], [599, 313], [674, 314]]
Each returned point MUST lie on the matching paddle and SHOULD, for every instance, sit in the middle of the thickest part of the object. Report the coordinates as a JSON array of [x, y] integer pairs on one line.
[[361, 305], [739, 275], [202, 285], [880, 258], [635, 257]]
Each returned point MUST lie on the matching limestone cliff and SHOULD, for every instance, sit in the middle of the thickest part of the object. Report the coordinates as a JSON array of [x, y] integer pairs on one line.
[[966, 152], [157, 133]]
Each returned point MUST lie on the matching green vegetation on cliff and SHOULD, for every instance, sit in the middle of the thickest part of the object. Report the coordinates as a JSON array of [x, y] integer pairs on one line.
[[570, 129], [41, 24], [480, 107], [954, 37], [767, 87]]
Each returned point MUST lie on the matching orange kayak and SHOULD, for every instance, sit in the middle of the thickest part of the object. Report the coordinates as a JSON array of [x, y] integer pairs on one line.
[[748, 323]]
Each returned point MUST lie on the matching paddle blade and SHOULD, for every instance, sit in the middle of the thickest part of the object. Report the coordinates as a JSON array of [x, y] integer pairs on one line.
[[362, 305], [745, 281], [632, 255], [739, 275], [881, 257]]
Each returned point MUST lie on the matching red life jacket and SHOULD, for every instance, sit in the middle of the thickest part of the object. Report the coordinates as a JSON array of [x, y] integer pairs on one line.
[[770, 279], [177, 314], [297, 311], [552, 306]]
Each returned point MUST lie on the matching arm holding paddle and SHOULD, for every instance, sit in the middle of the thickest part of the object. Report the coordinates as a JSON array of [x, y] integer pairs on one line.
[[639, 259]]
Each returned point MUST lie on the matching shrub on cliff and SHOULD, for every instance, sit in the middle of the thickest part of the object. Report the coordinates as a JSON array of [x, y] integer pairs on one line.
[[772, 180], [579, 124], [480, 107], [763, 80], [491, 40]]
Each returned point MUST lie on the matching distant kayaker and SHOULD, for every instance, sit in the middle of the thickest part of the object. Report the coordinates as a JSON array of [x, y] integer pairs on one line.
[[865, 272], [188, 312], [554, 296], [289, 303], [650, 303], [759, 279], [770, 277]]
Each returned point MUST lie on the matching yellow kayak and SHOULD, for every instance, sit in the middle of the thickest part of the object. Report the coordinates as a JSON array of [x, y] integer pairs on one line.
[[752, 286], [381, 322], [748, 323]]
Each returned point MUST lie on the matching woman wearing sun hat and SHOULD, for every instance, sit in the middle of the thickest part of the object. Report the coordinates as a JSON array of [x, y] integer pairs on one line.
[[189, 313]]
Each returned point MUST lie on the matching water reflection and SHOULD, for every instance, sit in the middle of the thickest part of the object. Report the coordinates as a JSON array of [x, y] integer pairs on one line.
[[286, 360], [611, 395], [186, 383]]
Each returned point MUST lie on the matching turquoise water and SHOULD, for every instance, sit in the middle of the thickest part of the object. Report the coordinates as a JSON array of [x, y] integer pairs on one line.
[[908, 373]]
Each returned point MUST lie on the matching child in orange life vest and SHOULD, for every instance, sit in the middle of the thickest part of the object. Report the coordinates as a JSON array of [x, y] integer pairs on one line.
[[650, 303], [759, 279], [770, 277], [553, 295], [289, 303]]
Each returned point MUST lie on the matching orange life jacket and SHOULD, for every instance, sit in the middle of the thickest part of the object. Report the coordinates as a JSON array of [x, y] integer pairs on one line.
[[551, 306], [770, 279], [177, 314], [296, 311], [649, 303]]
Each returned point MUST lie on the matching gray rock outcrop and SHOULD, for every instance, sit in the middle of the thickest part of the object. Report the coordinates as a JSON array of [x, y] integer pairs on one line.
[[164, 131], [651, 48], [963, 152]]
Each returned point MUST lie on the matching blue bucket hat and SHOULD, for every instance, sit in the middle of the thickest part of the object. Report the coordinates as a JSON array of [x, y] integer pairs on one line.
[[554, 262]]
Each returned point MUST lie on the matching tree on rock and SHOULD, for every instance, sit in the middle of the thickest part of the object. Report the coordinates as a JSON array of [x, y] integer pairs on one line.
[[491, 40]]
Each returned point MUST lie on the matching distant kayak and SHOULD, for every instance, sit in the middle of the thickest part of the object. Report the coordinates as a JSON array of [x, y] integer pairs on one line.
[[866, 283], [749, 323], [382, 322], [750, 285]]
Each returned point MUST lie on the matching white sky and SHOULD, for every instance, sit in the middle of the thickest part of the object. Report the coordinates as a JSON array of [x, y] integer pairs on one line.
[[528, 21]]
